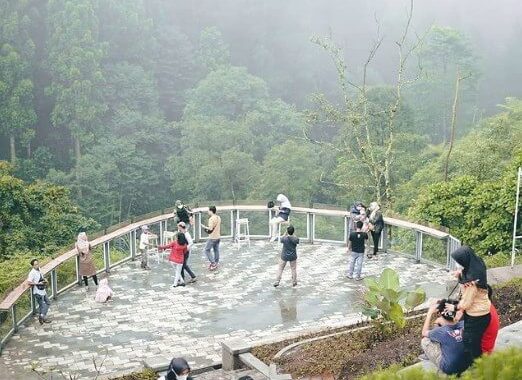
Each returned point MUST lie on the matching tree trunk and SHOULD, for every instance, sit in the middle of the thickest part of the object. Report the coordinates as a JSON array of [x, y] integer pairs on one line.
[[29, 153], [13, 148], [453, 123], [78, 156]]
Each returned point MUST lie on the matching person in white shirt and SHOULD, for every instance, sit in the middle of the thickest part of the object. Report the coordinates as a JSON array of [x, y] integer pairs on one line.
[[182, 229], [282, 216], [38, 283], [144, 246]]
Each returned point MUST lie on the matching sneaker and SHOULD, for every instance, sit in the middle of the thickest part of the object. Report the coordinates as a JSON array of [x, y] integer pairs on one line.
[[181, 284], [276, 284], [174, 285], [193, 279], [45, 320], [294, 284], [358, 278], [40, 319], [349, 276]]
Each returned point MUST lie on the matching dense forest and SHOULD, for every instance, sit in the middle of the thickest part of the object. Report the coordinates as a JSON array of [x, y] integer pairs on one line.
[[112, 109]]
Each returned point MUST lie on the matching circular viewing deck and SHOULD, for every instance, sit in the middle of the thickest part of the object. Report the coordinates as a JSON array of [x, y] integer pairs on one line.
[[149, 318]]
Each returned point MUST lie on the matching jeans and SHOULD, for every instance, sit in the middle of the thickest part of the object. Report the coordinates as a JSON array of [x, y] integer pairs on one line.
[[95, 279], [293, 267], [474, 328], [432, 351], [356, 262], [376, 237], [144, 258], [177, 273], [212, 244], [186, 267], [43, 304]]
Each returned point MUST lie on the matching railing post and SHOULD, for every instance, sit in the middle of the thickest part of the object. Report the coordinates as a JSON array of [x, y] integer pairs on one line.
[[234, 217], [232, 222], [269, 220], [197, 227], [161, 233], [312, 229], [346, 229], [13, 317], [106, 257], [78, 277], [418, 246], [33, 304], [385, 239], [54, 284]]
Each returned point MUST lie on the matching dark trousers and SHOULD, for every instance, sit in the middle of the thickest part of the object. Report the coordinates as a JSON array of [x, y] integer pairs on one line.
[[186, 267], [474, 328], [376, 236], [95, 279]]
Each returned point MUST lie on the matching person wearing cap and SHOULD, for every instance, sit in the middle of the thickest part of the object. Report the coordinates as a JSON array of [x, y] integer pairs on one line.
[[144, 246], [182, 229], [183, 214], [443, 345]]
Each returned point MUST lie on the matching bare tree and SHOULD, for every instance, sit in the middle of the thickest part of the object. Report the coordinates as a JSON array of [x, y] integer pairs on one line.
[[459, 79], [357, 111]]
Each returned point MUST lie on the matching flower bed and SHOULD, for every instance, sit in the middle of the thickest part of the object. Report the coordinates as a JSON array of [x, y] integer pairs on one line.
[[356, 353]]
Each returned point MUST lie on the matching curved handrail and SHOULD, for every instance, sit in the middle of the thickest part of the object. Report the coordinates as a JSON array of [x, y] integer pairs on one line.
[[9, 303]]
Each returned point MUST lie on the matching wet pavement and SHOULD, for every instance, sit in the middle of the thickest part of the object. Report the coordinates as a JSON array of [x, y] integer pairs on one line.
[[149, 318]]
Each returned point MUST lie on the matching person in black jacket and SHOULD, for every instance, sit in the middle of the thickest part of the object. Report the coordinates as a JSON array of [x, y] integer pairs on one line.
[[183, 213], [178, 370], [376, 225]]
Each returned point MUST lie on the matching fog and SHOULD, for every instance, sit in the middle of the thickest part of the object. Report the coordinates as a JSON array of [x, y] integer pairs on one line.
[[285, 27]]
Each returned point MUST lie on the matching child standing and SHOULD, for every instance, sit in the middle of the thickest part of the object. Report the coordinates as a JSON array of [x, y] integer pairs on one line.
[[288, 254], [356, 243], [178, 248]]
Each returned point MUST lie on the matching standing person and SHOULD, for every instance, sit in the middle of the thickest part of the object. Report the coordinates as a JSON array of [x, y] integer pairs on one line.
[[38, 283], [282, 216], [474, 302], [182, 229], [144, 246], [356, 243], [214, 237], [443, 345], [183, 214], [87, 268], [288, 254], [177, 254], [376, 225], [490, 335]]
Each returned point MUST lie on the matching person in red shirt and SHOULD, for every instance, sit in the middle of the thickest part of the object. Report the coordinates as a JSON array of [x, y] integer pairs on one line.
[[489, 337], [178, 248]]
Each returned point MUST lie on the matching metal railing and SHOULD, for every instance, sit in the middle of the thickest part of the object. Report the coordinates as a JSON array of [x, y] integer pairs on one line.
[[330, 225]]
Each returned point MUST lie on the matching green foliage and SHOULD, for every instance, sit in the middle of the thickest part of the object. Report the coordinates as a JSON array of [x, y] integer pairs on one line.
[[501, 365], [383, 297], [478, 213], [36, 217]]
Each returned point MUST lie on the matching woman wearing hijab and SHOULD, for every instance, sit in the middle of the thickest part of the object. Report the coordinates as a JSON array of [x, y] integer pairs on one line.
[[474, 301], [376, 225], [178, 370], [104, 292], [86, 268], [282, 216]]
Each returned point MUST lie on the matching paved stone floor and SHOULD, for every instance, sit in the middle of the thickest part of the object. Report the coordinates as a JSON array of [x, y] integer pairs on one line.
[[149, 318]]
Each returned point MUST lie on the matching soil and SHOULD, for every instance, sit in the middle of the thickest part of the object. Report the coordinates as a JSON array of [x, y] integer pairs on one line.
[[356, 353]]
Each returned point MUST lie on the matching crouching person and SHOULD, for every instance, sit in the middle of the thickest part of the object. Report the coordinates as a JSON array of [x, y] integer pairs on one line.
[[443, 344]]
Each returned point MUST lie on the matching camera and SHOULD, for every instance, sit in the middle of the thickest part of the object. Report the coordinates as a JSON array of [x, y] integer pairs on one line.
[[270, 204]]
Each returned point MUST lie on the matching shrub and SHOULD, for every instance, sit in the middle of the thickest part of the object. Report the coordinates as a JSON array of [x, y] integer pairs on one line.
[[383, 297]]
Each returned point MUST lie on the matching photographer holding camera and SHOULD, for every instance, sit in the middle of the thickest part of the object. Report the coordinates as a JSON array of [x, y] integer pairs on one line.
[[443, 345], [38, 283]]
